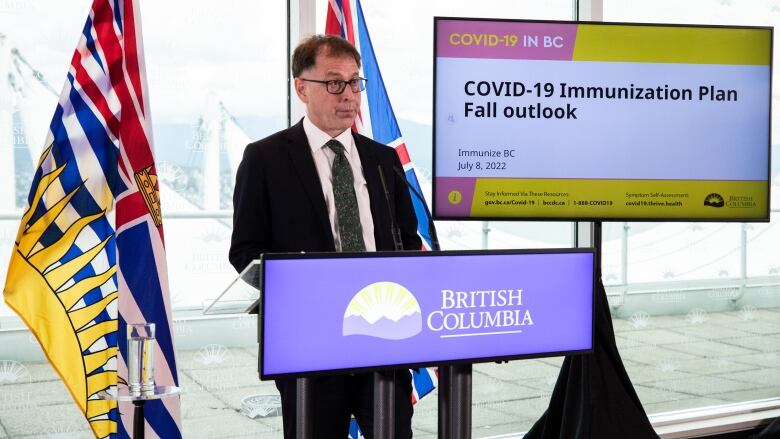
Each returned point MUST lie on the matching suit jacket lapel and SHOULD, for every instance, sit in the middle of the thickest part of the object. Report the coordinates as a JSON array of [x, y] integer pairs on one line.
[[300, 154], [379, 212]]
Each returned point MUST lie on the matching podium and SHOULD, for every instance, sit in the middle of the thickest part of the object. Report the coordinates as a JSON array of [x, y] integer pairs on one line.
[[338, 313]]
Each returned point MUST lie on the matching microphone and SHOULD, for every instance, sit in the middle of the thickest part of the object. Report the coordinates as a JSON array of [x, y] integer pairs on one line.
[[431, 228], [394, 229]]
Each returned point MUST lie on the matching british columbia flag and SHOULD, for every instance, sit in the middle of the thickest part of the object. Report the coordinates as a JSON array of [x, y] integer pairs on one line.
[[377, 121], [89, 257]]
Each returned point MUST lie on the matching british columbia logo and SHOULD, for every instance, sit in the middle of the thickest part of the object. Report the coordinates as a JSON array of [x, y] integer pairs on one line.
[[384, 310], [714, 200]]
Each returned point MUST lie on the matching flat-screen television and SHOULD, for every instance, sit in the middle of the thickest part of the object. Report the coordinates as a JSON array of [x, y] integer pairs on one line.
[[544, 120]]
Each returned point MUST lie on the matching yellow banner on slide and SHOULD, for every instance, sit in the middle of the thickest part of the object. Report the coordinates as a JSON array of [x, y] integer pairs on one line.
[[673, 44], [623, 199]]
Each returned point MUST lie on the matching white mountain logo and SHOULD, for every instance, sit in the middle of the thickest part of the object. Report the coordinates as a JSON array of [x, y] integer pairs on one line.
[[383, 310]]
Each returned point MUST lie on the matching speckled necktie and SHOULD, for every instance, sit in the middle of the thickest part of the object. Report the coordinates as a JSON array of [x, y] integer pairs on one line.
[[347, 212]]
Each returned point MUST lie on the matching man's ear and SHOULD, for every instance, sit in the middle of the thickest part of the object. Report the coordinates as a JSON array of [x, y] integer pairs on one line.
[[300, 90]]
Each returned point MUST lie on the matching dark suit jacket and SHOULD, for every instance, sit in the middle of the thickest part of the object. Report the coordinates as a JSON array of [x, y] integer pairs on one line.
[[278, 205]]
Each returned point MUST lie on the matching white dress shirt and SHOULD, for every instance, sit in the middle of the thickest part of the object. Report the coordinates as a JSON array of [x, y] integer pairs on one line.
[[323, 160]]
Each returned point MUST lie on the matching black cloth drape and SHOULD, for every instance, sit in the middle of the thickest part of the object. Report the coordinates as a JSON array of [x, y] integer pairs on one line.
[[771, 431], [594, 397]]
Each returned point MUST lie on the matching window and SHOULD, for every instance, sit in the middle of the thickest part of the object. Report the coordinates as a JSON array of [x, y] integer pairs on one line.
[[216, 76], [696, 304]]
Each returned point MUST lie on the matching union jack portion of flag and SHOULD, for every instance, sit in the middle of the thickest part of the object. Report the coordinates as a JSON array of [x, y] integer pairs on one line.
[[376, 120], [89, 256]]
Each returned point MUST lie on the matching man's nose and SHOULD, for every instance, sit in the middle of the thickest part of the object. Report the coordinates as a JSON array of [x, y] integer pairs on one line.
[[348, 94]]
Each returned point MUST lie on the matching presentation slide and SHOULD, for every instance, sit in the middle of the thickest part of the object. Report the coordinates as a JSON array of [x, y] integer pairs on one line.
[[546, 120]]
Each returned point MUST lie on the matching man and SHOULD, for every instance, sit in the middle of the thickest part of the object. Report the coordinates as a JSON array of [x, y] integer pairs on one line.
[[315, 187]]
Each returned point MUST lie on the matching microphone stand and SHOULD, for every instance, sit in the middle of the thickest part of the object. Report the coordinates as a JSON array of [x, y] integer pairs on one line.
[[394, 229], [431, 227], [384, 382], [454, 379]]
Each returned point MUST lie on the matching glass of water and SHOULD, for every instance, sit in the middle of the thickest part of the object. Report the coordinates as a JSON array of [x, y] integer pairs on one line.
[[140, 358]]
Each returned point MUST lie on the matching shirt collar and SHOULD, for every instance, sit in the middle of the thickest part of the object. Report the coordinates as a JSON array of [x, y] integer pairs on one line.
[[318, 138]]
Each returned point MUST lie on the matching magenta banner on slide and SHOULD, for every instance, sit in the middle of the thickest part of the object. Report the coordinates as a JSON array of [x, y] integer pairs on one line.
[[505, 39], [344, 312]]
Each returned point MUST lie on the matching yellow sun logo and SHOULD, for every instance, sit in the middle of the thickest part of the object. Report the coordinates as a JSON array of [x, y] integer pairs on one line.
[[713, 200]]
